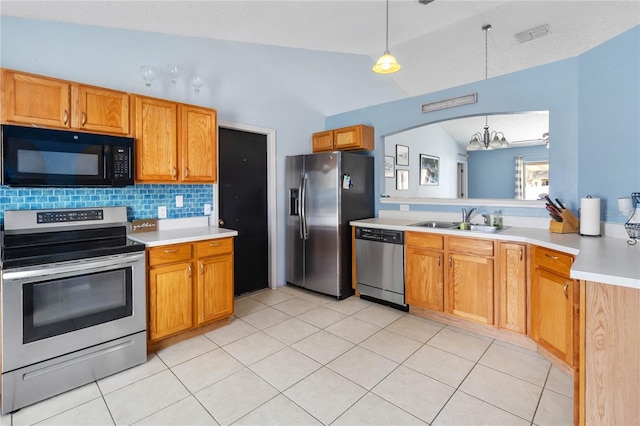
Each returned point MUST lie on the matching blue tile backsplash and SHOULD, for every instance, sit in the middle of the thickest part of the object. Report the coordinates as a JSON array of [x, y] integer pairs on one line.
[[141, 200]]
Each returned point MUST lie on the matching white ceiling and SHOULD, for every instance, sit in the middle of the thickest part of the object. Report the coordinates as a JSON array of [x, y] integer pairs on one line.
[[439, 45]]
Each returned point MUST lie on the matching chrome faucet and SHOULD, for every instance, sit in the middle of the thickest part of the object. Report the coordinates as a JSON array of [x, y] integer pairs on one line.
[[486, 218], [466, 215]]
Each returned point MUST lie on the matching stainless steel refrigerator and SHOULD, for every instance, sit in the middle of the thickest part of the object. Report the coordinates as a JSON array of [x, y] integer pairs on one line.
[[325, 192]]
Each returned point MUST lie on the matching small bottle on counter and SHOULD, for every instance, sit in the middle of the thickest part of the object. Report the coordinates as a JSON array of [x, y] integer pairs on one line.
[[497, 219]]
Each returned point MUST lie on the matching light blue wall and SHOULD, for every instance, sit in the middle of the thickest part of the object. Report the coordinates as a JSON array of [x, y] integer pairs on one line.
[[491, 174], [289, 90], [609, 132], [594, 109]]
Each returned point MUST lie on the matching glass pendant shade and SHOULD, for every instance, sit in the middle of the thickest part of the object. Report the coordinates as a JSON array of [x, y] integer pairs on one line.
[[386, 64]]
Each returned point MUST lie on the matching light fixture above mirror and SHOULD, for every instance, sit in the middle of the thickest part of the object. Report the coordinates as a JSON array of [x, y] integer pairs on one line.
[[487, 139]]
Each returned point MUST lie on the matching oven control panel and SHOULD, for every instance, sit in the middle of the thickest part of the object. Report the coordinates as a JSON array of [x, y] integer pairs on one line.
[[69, 216]]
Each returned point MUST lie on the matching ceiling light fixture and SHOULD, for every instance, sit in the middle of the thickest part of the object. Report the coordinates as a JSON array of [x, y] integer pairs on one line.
[[487, 139], [386, 64]]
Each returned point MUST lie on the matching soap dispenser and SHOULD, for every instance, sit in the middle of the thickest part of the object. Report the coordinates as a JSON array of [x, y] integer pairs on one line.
[[497, 219]]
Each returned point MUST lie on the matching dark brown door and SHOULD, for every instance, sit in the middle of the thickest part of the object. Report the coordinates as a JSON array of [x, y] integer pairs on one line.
[[243, 204]]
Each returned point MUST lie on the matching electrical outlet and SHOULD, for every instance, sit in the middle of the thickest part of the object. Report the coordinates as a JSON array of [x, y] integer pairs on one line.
[[207, 209], [404, 207], [162, 212], [179, 201]]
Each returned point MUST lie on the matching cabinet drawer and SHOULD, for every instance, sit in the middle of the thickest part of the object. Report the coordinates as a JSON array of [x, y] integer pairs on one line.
[[213, 247], [169, 254], [471, 246], [423, 240], [553, 260]]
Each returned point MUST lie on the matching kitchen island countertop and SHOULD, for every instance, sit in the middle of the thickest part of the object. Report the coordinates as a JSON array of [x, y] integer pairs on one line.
[[606, 260]]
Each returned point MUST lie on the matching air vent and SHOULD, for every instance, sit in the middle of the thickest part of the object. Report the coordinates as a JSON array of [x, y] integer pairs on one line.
[[533, 34], [450, 103]]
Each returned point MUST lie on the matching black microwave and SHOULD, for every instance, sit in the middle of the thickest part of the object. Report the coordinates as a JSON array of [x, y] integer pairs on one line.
[[34, 156]]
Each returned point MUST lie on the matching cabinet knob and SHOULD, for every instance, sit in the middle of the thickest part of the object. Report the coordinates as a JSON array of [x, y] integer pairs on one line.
[[220, 222]]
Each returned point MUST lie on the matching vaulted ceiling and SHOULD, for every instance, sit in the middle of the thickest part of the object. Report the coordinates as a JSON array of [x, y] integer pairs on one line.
[[439, 45]]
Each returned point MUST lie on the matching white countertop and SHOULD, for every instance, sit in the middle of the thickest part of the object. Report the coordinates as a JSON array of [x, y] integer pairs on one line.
[[181, 235], [606, 260]]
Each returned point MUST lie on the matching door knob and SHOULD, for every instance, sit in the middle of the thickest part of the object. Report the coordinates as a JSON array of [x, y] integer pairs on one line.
[[220, 222]]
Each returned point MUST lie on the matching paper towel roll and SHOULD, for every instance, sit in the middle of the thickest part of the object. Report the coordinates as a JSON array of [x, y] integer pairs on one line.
[[590, 216]]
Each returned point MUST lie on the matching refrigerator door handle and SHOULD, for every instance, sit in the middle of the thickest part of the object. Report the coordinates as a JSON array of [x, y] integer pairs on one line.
[[304, 234]]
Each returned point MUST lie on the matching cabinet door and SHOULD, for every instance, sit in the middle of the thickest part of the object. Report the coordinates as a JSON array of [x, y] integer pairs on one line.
[[322, 141], [30, 100], [156, 140], [551, 313], [170, 299], [513, 287], [198, 139], [470, 287], [424, 278], [100, 110], [215, 287]]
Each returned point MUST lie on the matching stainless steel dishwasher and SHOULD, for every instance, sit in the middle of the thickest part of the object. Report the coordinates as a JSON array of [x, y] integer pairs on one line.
[[380, 266]]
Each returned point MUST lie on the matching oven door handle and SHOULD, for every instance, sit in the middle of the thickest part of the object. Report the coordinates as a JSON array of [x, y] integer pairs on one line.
[[66, 268]]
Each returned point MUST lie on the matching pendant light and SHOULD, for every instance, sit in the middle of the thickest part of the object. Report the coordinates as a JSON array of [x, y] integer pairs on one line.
[[386, 64], [487, 139]]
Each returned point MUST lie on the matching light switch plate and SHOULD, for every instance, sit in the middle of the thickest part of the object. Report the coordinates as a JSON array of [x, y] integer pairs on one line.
[[179, 201], [162, 212], [207, 209]]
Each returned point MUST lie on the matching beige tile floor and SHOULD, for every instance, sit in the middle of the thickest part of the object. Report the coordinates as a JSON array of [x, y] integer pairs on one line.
[[292, 357]]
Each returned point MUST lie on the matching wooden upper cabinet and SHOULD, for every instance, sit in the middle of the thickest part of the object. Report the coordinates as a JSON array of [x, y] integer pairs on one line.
[[346, 138], [100, 110], [35, 100], [30, 99], [174, 142], [156, 139], [513, 287], [322, 141], [198, 140]]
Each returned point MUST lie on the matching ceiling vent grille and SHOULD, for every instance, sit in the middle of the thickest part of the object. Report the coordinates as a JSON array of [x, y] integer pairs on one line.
[[533, 34]]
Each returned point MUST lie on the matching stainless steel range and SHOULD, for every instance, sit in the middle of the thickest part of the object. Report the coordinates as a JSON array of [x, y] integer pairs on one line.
[[73, 301]]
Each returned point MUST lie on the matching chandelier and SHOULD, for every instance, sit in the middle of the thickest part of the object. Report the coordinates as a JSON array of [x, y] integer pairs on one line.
[[487, 139]]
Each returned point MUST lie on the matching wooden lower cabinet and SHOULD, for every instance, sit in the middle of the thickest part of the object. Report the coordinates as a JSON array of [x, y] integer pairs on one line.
[[513, 287], [170, 299], [424, 278], [470, 287], [552, 303], [189, 285]]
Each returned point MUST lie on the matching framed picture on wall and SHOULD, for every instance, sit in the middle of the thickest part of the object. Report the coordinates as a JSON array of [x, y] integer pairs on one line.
[[402, 180], [402, 155], [429, 170], [389, 170]]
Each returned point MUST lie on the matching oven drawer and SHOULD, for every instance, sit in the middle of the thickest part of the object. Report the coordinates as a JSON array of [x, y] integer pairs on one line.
[[214, 247], [170, 254]]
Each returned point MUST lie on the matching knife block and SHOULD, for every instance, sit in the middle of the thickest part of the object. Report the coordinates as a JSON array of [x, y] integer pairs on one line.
[[569, 225]]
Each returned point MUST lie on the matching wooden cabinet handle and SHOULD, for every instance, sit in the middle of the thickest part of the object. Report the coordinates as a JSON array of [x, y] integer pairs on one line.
[[186, 172], [189, 269], [201, 268], [174, 173], [551, 257], [214, 244], [438, 260], [564, 290], [171, 250], [520, 254], [66, 116], [450, 260], [84, 118]]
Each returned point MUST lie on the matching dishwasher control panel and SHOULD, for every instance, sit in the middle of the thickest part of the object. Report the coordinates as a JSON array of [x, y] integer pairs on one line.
[[380, 235]]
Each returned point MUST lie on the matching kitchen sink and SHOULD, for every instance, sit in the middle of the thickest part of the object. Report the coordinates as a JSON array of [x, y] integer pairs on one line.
[[483, 228], [436, 224]]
